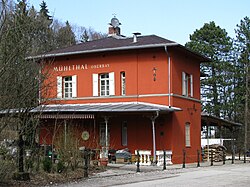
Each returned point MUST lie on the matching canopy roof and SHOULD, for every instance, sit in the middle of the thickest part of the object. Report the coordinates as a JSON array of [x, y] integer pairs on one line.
[[210, 120], [105, 107]]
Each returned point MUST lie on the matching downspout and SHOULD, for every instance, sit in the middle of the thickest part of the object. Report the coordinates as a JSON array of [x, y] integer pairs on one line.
[[153, 118], [169, 81]]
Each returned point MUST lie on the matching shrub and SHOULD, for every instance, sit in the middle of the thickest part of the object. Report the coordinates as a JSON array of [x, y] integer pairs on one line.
[[60, 167], [47, 164], [6, 170]]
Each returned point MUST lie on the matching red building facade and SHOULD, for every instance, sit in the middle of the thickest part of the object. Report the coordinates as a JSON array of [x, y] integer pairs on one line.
[[138, 93]]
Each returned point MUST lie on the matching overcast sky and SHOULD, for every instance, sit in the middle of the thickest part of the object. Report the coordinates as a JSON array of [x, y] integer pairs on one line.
[[172, 19]]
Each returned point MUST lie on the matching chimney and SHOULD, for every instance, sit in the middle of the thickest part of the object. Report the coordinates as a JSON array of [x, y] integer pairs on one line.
[[114, 31], [114, 28], [135, 35]]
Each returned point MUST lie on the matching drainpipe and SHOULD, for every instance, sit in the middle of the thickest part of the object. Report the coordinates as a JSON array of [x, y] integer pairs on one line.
[[65, 133], [169, 86], [153, 131]]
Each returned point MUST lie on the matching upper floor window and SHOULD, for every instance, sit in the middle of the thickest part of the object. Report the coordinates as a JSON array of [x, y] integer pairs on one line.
[[103, 84], [123, 83], [187, 84], [66, 86]]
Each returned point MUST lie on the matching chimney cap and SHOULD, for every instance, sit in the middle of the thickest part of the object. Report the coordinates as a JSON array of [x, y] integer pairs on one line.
[[135, 36], [136, 33]]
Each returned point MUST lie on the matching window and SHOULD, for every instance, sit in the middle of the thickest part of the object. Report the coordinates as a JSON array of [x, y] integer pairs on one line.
[[123, 83], [187, 84], [124, 133], [66, 86], [103, 84], [187, 134], [103, 134]]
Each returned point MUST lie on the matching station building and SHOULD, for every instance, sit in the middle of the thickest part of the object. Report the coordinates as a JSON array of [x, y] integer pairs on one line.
[[140, 93]]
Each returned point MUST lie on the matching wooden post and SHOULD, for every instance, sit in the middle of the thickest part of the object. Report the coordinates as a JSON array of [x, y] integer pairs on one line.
[[85, 167]]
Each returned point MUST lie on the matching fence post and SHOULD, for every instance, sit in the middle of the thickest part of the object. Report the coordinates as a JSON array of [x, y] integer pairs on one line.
[[184, 158], [198, 158], [138, 162], [212, 158], [164, 160], [85, 167]]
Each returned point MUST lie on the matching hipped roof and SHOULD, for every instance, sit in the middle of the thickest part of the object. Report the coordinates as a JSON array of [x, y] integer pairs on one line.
[[118, 43]]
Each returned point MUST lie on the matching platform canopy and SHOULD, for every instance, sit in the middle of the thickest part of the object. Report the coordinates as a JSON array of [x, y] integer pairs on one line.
[[210, 120], [105, 107]]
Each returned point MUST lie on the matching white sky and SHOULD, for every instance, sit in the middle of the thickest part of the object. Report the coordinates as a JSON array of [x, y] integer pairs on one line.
[[172, 19]]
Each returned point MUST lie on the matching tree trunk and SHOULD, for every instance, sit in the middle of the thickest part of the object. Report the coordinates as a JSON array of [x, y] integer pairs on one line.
[[20, 153]]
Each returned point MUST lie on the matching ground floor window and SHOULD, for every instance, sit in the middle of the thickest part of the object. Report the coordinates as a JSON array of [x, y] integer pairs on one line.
[[124, 133], [103, 135], [187, 134]]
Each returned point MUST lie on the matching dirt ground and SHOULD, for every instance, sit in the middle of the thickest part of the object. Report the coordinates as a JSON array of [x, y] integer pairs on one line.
[[45, 179]]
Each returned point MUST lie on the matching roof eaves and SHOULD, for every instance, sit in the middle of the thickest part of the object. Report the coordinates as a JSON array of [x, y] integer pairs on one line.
[[102, 50]]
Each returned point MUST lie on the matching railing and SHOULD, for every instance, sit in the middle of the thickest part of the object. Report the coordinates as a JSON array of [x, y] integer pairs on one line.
[[160, 157], [145, 156]]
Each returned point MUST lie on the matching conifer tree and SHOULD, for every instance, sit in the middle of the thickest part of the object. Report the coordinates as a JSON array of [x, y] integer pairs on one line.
[[214, 43]]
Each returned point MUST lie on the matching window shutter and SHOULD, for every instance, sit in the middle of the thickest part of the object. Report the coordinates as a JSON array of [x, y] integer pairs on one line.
[[184, 83], [112, 83], [95, 84], [191, 86], [59, 87], [74, 86]]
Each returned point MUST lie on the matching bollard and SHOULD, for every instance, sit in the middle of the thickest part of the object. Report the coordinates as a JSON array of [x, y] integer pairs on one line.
[[198, 158], [244, 157], [85, 167], [239, 154], [164, 160], [224, 158], [212, 158], [184, 159], [138, 162], [232, 157]]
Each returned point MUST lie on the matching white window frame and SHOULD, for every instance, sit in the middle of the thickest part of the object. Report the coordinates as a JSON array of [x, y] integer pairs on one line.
[[67, 88], [124, 131], [187, 84], [123, 83], [187, 134], [103, 84]]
